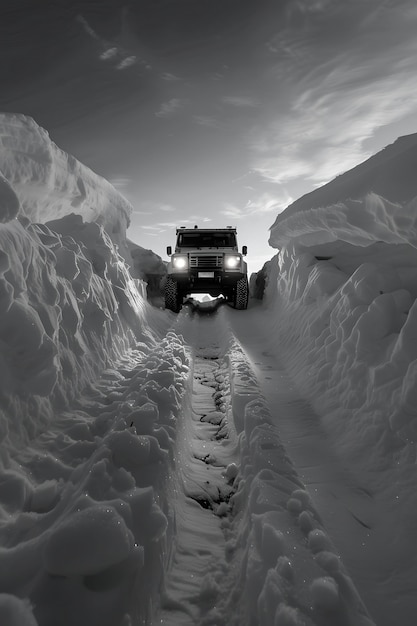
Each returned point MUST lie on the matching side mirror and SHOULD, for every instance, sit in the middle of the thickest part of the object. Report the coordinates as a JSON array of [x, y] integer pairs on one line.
[[169, 250], [244, 250]]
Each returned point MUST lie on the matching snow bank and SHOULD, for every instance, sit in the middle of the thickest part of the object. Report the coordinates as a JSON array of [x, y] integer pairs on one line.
[[359, 222], [344, 289], [41, 182], [85, 518], [390, 174], [148, 266], [69, 307], [89, 394], [49, 183]]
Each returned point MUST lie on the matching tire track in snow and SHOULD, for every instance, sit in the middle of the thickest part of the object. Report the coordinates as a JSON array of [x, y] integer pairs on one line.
[[269, 560], [347, 510], [206, 449]]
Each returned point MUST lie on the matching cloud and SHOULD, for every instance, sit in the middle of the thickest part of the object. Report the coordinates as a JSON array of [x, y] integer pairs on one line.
[[108, 54], [231, 210], [269, 203], [241, 101], [337, 96], [206, 120], [127, 62], [197, 218], [160, 227], [169, 77], [325, 135], [155, 207], [90, 31], [263, 204], [167, 109], [110, 51]]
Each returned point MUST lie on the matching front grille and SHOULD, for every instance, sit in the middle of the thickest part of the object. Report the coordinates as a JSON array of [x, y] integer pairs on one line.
[[206, 261]]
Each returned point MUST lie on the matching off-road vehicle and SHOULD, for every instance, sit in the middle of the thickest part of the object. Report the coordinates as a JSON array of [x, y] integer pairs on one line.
[[206, 260]]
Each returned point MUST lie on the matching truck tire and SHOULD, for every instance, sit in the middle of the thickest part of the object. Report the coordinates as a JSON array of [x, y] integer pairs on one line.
[[241, 294], [173, 298]]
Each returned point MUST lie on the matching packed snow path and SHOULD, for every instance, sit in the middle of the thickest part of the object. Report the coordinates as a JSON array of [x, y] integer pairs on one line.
[[344, 504], [355, 511], [190, 485], [249, 546], [206, 447]]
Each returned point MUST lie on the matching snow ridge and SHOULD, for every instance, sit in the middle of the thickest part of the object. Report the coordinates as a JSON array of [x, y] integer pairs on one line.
[[341, 295], [359, 222], [348, 274], [48, 183]]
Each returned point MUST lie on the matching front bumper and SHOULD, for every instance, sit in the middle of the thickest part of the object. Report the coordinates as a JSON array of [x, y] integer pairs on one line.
[[213, 282]]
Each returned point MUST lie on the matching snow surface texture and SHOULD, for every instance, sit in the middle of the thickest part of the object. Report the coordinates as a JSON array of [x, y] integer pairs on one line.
[[343, 294], [78, 462]]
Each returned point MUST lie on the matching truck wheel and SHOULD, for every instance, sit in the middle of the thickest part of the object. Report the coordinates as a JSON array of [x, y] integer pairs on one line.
[[173, 298], [241, 294]]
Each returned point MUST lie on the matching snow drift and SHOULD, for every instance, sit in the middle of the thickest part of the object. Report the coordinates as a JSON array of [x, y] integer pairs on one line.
[[342, 297], [75, 524], [390, 174], [49, 183], [348, 274], [344, 289], [40, 181]]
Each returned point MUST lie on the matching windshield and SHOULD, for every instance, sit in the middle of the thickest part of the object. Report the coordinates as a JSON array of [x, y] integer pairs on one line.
[[207, 240]]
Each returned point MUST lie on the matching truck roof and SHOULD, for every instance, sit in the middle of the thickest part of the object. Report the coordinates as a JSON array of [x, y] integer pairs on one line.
[[228, 229]]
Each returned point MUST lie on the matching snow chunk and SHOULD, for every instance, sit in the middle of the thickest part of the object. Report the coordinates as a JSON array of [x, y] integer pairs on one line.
[[325, 593], [88, 542], [318, 541], [231, 472], [287, 616], [15, 611], [144, 418]]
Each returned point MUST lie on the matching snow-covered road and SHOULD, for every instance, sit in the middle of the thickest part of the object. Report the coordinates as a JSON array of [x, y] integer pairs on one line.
[[354, 505], [251, 541], [345, 505], [206, 448], [193, 485]]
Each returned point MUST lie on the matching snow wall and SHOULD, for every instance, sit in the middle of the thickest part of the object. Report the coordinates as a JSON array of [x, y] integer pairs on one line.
[[49, 183], [69, 305], [343, 288], [40, 181], [75, 527]]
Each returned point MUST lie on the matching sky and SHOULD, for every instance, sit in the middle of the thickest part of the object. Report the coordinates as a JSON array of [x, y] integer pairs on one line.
[[212, 112]]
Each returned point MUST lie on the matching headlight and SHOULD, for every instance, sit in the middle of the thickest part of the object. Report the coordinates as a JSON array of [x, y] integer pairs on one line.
[[179, 262], [232, 261]]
